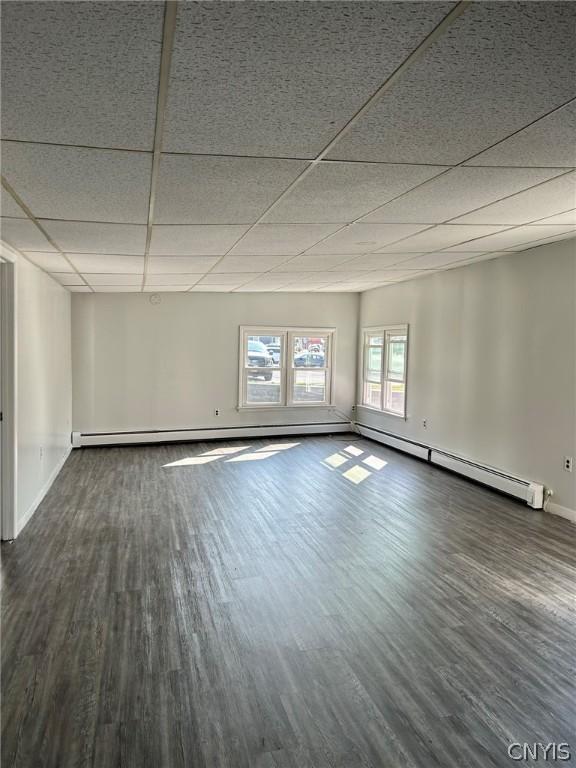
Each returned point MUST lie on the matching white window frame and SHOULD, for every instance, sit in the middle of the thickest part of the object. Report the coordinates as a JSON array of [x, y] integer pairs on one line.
[[287, 335], [385, 331]]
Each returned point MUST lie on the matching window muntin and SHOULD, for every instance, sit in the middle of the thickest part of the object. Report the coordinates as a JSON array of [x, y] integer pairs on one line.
[[384, 369], [285, 367]]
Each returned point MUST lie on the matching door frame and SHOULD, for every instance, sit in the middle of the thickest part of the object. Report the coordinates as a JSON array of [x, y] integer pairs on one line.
[[8, 391]]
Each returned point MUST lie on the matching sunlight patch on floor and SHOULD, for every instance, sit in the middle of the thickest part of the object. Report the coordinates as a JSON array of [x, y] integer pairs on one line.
[[356, 474], [226, 451], [335, 461], [192, 461], [256, 456], [374, 462], [277, 447], [353, 451]]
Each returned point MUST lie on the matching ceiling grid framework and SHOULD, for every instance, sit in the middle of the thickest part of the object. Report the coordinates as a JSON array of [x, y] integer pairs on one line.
[[249, 147]]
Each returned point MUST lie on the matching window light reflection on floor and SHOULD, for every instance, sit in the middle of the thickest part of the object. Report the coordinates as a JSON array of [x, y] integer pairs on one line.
[[256, 456], [277, 447], [226, 451], [192, 461], [353, 451], [374, 462], [336, 460], [356, 474]]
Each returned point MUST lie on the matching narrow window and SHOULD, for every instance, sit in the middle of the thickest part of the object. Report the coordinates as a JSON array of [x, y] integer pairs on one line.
[[384, 369]]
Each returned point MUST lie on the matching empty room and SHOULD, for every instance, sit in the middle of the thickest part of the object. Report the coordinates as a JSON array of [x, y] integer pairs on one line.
[[288, 384]]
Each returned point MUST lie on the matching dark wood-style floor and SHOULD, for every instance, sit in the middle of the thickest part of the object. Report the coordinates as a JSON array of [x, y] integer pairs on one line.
[[272, 613]]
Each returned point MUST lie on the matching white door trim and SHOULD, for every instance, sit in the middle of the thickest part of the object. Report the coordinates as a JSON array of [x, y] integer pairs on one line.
[[9, 455]]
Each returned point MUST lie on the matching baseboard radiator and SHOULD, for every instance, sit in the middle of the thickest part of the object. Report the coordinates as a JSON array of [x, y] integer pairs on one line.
[[81, 439], [530, 492]]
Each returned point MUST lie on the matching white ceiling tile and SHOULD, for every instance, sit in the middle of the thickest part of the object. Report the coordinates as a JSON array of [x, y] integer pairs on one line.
[[341, 192], [9, 207], [474, 258], [116, 288], [232, 264], [362, 238], [281, 239], [510, 238], [432, 260], [345, 288], [299, 71], [77, 183], [220, 190], [79, 288], [149, 288], [181, 265], [235, 279], [306, 263], [51, 262], [67, 278], [372, 261], [440, 237], [570, 235], [172, 279], [297, 288], [547, 142], [568, 217], [546, 199], [106, 263], [81, 73], [204, 288], [84, 237], [194, 240], [498, 67], [24, 235], [458, 191], [255, 286], [115, 279]]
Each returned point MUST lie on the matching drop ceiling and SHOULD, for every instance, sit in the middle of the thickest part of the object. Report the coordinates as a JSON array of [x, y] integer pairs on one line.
[[286, 146]]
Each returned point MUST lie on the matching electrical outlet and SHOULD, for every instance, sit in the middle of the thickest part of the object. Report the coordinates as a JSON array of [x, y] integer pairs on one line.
[[425, 423], [216, 411], [568, 463]]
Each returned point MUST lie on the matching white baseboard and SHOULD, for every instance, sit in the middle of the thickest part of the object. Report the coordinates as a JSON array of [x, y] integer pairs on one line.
[[21, 521], [80, 439], [566, 512]]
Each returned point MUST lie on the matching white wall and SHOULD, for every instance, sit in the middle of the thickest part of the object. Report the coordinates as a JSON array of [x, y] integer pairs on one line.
[[140, 366], [492, 362], [44, 384]]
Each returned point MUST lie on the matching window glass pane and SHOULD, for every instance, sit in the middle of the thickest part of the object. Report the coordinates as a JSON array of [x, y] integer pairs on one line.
[[394, 395], [309, 385], [396, 355], [309, 351], [375, 339], [263, 350], [262, 385], [374, 362], [372, 394]]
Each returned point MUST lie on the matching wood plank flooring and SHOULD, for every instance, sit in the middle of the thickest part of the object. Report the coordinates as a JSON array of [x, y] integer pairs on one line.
[[272, 613]]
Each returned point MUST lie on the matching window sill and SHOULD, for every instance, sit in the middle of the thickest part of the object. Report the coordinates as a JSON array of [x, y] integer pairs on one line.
[[290, 407], [380, 410]]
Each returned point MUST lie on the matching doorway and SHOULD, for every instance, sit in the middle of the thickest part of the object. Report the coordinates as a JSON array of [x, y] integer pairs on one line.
[[8, 400]]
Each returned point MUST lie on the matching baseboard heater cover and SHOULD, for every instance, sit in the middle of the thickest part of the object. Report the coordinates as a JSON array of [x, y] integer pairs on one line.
[[530, 492], [406, 446], [81, 439]]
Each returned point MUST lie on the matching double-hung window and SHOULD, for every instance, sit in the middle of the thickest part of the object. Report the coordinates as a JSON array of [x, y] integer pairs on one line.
[[285, 367], [385, 359]]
